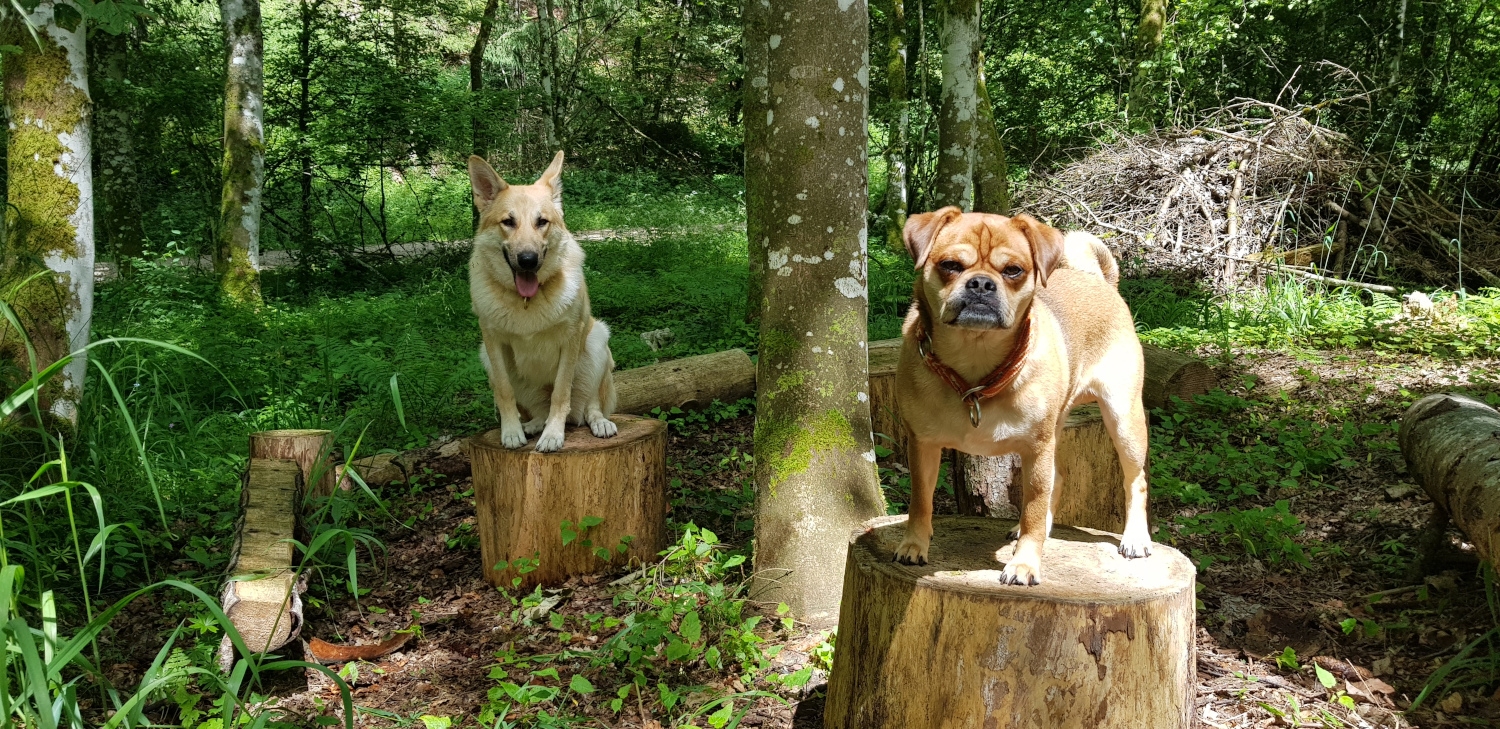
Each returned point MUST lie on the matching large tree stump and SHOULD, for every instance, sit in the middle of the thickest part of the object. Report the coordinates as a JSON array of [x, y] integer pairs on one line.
[[1452, 447], [309, 448], [691, 383], [1104, 642], [1092, 486], [261, 598], [522, 498]]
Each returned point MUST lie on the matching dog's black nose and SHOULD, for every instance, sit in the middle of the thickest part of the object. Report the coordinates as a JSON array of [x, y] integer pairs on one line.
[[981, 284], [528, 260]]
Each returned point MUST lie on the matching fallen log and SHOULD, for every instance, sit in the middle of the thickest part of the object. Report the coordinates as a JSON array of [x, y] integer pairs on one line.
[[1103, 641], [690, 383], [1452, 447], [261, 598]]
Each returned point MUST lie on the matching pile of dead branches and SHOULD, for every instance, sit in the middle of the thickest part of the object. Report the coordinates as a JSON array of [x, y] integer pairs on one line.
[[1257, 187]]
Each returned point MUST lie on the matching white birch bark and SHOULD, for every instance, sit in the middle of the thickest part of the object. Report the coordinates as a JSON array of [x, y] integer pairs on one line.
[[958, 127], [237, 256]]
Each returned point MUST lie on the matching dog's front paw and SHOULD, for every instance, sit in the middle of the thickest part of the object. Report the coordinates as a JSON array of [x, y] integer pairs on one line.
[[1135, 546], [534, 426], [1022, 572], [512, 436], [551, 440], [912, 551], [603, 427]]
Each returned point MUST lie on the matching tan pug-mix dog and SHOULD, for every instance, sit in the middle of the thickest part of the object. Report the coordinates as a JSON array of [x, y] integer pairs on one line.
[[990, 284], [544, 352]]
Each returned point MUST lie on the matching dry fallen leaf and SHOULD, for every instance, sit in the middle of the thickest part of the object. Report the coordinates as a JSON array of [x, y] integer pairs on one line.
[[328, 653], [1371, 691], [1453, 704], [1343, 669]]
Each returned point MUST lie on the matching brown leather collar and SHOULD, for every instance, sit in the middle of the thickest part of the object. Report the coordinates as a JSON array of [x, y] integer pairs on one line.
[[993, 384]]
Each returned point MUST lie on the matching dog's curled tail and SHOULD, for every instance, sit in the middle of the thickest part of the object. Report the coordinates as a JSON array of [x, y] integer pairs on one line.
[[1085, 252]]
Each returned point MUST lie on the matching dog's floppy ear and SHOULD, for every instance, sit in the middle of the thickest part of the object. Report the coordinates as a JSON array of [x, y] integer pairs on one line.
[[1046, 245], [552, 178], [922, 229], [487, 185]]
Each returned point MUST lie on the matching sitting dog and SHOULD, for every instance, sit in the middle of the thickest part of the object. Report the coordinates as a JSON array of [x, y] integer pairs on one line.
[[544, 352], [1002, 340]]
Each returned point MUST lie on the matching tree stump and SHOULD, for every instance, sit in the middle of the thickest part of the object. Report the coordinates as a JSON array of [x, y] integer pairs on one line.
[[261, 598], [1092, 492], [691, 383], [1104, 642], [523, 498], [885, 418], [1452, 447], [309, 448]]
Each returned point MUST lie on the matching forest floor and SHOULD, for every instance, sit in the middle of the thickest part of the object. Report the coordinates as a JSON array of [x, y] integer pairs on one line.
[[1333, 593]]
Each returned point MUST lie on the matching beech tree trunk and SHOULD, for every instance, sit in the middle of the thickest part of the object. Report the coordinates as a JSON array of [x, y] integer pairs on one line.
[[958, 107], [1148, 37], [691, 383], [237, 256], [261, 597], [991, 173], [522, 499], [898, 119], [310, 449], [51, 193], [1452, 447], [1102, 642], [814, 463], [757, 104]]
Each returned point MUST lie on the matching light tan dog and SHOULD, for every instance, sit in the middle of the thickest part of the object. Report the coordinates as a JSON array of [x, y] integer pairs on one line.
[[544, 352], [1001, 342]]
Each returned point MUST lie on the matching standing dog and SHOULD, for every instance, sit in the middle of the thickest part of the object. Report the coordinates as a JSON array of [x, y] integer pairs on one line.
[[1012, 326], [544, 352]]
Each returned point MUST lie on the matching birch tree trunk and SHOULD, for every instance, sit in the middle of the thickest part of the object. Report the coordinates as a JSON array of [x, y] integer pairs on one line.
[[991, 173], [118, 207], [757, 103], [814, 461], [51, 194], [899, 113], [237, 257], [958, 106], [1148, 35]]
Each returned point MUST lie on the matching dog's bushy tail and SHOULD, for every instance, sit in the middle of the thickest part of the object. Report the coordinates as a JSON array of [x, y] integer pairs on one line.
[[1085, 252]]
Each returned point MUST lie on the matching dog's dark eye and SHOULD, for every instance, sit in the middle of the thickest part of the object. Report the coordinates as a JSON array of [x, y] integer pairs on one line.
[[541, 222], [1011, 271], [509, 222], [952, 266]]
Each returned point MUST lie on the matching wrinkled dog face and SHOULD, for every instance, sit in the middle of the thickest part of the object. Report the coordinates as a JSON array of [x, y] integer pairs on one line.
[[979, 271], [524, 221]]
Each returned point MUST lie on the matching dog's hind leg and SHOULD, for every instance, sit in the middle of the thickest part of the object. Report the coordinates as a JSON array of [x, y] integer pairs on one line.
[[1125, 419], [593, 384], [925, 459]]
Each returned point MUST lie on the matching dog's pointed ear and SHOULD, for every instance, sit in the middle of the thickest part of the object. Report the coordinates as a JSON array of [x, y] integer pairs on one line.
[[552, 178], [922, 229], [1046, 245], [487, 185]]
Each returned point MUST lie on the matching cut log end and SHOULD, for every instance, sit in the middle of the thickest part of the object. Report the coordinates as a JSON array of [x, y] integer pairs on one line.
[[522, 499], [1102, 642], [309, 448], [1452, 447]]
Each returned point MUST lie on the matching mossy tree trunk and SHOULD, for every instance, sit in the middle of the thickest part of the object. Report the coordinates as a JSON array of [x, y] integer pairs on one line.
[[757, 103], [898, 114], [958, 105], [50, 226], [118, 207], [237, 256], [814, 461], [1148, 36], [991, 183]]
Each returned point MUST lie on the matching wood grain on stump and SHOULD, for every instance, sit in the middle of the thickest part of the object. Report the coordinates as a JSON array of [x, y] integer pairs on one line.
[[522, 497], [260, 598], [1103, 642], [309, 448]]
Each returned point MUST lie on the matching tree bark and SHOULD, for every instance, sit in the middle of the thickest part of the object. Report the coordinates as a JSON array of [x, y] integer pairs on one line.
[[51, 193], [757, 103], [691, 383], [547, 34], [1102, 642], [1148, 37], [898, 118], [958, 106], [522, 498], [814, 463], [118, 208], [237, 256], [261, 598], [1452, 447], [991, 173], [306, 14]]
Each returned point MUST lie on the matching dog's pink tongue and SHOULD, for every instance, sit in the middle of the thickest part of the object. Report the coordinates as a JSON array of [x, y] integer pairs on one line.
[[527, 284]]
